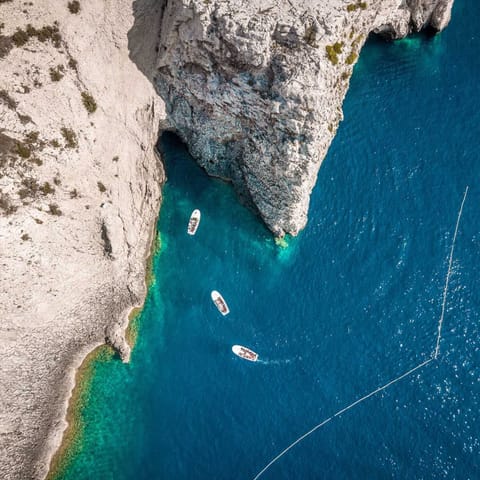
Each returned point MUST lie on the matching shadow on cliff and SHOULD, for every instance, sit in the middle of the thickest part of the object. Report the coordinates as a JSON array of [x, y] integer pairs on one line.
[[144, 34]]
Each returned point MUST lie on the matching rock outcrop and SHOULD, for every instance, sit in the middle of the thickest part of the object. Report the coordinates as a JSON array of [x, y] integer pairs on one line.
[[255, 88], [79, 196]]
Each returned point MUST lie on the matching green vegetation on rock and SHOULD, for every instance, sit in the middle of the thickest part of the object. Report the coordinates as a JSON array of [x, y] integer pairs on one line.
[[56, 73], [333, 51], [73, 7], [354, 6], [70, 137], [48, 32], [54, 210], [22, 150], [89, 102], [352, 58]]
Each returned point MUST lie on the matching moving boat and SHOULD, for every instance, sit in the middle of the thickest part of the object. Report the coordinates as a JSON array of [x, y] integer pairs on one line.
[[245, 353], [193, 222], [220, 303]]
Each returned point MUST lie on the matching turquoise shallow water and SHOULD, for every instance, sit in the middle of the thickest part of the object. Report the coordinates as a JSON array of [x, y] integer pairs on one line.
[[352, 302]]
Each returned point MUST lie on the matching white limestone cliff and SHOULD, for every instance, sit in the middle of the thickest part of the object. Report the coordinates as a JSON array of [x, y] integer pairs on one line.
[[75, 223], [251, 89], [255, 89]]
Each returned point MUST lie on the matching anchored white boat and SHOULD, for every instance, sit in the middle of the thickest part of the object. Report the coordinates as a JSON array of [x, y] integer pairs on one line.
[[193, 222], [245, 353], [220, 303]]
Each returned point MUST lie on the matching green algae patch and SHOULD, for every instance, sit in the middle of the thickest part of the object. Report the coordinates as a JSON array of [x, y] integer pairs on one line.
[[281, 242], [154, 250], [131, 333], [286, 249], [73, 435]]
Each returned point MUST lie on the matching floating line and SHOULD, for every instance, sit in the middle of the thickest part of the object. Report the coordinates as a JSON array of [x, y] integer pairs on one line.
[[449, 272], [343, 410], [395, 380]]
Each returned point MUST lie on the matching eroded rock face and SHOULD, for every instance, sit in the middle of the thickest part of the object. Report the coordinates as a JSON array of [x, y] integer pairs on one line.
[[255, 90], [79, 197], [414, 16]]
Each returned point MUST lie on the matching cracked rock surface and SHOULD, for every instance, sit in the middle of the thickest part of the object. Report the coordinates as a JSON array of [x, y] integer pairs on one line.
[[79, 196], [255, 89]]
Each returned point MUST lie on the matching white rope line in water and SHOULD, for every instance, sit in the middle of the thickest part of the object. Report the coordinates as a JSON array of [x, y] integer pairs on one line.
[[298, 440], [395, 380], [343, 410], [449, 272]]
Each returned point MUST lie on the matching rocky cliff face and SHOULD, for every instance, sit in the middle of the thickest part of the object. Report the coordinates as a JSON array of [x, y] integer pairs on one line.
[[79, 195], [255, 88]]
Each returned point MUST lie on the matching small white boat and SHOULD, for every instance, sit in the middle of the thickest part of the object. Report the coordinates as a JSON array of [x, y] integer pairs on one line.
[[220, 303], [193, 222], [245, 353]]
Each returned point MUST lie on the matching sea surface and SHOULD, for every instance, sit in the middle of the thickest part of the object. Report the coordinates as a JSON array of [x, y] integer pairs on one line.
[[351, 303]]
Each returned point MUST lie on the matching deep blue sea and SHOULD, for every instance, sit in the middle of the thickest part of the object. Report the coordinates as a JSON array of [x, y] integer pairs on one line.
[[348, 305]]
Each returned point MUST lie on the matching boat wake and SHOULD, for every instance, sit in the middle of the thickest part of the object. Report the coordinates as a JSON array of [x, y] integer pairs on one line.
[[284, 361]]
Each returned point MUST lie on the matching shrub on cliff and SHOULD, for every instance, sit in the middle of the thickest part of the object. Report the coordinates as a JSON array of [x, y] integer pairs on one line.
[[20, 37], [6, 45], [333, 51], [30, 188], [353, 6], [48, 32], [56, 73], [72, 63], [74, 7], [337, 46], [22, 150], [351, 58], [54, 210], [89, 102], [70, 137], [331, 54], [32, 137], [47, 189], [6, 204]]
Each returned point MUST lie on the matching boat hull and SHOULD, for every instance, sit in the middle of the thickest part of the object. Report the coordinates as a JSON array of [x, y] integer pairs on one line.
[[245, 353], [220, 303], [194, 222]]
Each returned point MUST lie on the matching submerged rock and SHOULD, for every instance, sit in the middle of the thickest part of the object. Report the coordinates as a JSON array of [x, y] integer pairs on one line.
[[115, 337], [255, 89]]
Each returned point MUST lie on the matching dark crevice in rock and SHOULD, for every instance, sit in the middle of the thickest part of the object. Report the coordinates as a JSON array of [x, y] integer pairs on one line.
[[107, 244]]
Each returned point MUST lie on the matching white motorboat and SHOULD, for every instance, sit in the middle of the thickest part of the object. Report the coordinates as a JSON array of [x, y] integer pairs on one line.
[[245, 353], [220, 303], [193, 222]]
